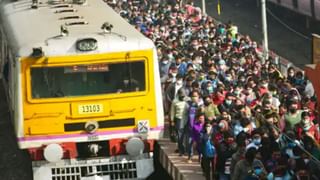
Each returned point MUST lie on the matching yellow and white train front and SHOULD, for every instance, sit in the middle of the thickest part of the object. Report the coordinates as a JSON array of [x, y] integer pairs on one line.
[[90, 114]]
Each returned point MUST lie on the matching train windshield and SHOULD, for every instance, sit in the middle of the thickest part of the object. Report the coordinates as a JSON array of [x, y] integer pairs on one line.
[[91, 79]]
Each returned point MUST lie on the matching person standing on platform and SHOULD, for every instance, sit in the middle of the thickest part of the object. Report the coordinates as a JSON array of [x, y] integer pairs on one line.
[[194, 106], [179, 118], [208, 151]]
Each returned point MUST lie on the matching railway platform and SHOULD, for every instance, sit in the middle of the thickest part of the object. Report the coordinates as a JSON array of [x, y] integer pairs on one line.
[[177, 166]]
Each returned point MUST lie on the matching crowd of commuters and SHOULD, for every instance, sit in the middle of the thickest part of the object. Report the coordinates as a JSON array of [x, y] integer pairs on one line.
[[238, 113]]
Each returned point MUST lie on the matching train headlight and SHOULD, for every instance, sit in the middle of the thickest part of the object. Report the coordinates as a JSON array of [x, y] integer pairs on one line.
[[143, 126], [91, 127], [88, 44], [134, 146], [53, 152]]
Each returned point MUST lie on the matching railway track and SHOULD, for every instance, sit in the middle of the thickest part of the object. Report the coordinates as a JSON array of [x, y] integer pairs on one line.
[[14, 163]]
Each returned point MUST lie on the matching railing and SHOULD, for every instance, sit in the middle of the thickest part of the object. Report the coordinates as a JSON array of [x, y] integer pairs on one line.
[[282, 63]]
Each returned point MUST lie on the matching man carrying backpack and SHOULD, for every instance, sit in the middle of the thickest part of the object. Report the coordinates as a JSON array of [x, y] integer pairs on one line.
[[208, 151]]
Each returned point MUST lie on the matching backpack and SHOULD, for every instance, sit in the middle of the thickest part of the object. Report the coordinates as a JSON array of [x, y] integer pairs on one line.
[[209, 150]]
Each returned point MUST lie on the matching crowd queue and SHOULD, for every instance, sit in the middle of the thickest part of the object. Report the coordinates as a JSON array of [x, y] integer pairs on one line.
[[237, 113]]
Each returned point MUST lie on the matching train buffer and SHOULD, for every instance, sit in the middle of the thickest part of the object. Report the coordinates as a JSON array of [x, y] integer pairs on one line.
[[177, 166]]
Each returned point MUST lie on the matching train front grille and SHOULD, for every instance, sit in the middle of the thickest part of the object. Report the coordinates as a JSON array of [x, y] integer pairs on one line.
[[115, 171]]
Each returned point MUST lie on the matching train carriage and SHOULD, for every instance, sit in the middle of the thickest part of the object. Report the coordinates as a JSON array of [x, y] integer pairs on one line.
[[84, 89]]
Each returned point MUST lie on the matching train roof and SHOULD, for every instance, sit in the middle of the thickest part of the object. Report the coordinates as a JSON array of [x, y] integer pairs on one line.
[[27, 28]]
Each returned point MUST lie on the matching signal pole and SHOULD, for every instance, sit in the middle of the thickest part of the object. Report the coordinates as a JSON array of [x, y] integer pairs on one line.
[[204, 7], [264, 31]]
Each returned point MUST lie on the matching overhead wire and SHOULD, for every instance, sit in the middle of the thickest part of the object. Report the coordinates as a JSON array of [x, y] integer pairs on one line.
[[286, 25]]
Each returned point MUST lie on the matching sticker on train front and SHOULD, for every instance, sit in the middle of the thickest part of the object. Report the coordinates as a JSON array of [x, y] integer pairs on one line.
[[93, 137]]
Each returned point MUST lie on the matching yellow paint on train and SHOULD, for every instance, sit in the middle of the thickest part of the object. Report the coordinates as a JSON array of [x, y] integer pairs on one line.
[[45, 116]]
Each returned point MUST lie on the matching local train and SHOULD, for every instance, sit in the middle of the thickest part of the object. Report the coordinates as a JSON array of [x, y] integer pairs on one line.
[[83, 87]]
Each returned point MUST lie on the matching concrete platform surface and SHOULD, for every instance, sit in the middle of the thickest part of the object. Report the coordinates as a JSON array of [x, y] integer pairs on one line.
[[178, 166]]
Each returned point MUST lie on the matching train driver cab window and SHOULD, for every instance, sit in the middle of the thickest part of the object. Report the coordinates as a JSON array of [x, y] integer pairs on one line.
[[85, 80]]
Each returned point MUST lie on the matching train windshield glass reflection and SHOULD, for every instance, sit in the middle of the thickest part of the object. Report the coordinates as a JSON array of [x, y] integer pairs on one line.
[[83, 80]]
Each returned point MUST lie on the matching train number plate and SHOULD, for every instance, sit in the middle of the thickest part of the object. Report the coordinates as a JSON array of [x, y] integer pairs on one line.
[[90, 108]]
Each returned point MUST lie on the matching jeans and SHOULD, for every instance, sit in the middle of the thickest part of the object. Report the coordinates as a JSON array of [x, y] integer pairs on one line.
[[207, 165], [189, 143], [180, 132]]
